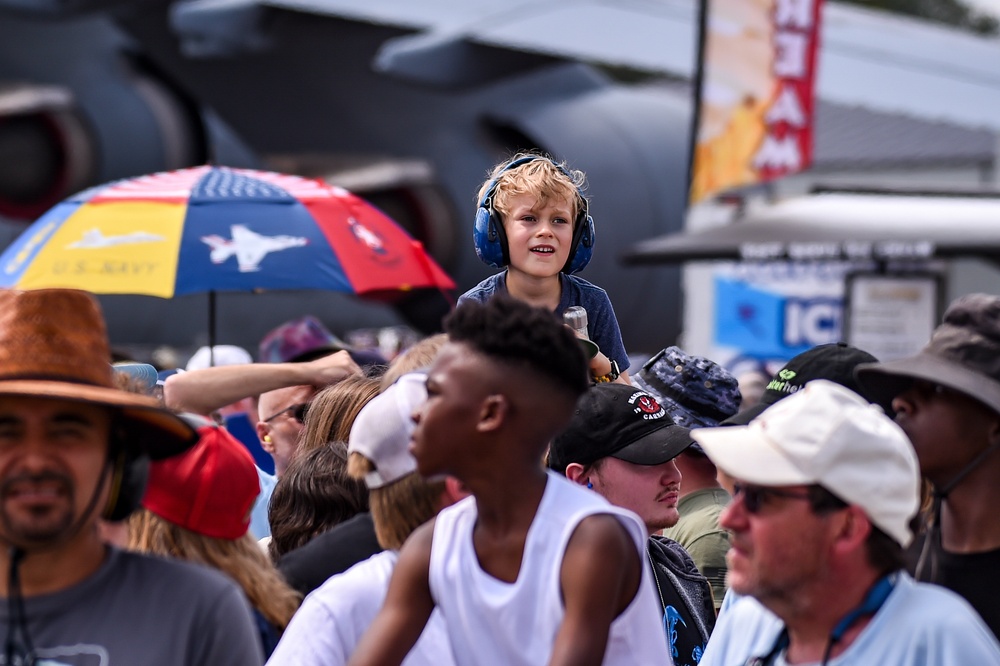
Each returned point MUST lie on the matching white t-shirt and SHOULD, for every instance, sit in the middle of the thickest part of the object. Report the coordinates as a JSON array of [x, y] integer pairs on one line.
[[327, 627], [492, 622], [918, 625]]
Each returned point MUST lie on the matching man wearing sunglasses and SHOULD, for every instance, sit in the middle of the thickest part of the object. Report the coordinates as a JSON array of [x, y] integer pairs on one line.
[[825, 497], [284, 390]]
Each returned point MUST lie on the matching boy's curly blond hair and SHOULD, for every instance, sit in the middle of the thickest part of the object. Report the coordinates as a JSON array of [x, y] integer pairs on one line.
[[543, 178]]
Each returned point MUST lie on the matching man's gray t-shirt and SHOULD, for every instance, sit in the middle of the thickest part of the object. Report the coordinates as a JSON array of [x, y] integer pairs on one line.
[[144, 610]]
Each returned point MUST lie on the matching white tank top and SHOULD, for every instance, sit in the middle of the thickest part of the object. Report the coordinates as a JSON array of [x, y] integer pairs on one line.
[[492, 622]]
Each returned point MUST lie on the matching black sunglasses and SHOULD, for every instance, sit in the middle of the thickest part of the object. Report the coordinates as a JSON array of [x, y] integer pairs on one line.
[[754, 497], [297, 411]]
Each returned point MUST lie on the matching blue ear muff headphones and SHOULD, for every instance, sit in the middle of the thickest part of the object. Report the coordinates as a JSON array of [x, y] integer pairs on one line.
[[491, 240]]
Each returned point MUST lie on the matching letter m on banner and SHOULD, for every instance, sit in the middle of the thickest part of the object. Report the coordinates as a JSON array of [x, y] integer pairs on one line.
[[753, 118]]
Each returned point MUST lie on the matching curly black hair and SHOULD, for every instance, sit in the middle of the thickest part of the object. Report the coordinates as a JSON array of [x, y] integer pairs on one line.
[[514, 332]]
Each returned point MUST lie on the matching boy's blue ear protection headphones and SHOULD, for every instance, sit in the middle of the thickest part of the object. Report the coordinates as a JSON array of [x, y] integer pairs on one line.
[[491, 240]]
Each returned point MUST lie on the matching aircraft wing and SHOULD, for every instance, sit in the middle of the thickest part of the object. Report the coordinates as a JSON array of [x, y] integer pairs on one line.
[[867, 57], [457, 43]]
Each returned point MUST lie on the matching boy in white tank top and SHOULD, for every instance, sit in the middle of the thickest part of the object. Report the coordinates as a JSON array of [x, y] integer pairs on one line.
[[531, 569]]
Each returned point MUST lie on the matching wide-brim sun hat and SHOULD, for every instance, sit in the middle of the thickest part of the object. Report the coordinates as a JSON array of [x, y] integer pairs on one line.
[[963, 354], [54, 344]]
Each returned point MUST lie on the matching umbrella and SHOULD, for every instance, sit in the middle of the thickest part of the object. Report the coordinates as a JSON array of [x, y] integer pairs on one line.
[[214, 229]]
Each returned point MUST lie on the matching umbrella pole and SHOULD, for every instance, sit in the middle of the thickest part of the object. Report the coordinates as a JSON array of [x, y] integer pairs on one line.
[[211, 328]]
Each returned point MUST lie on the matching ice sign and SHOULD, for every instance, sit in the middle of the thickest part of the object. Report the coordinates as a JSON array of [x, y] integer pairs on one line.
[[812, 321]]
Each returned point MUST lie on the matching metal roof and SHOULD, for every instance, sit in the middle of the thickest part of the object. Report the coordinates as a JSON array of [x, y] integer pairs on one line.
[[833, 226], [850, 136]]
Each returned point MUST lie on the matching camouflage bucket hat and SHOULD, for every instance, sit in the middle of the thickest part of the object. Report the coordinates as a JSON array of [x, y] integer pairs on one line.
[[695, 391]]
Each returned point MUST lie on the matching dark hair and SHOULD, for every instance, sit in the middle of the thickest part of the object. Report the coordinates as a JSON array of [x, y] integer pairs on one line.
[[885, 554], [313, 495], [513, 332]]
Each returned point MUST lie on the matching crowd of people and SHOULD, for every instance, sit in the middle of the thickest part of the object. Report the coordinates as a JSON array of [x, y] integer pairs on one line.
[[509, 491]]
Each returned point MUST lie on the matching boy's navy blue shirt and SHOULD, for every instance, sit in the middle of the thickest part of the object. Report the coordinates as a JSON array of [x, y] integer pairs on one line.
[[602, 325]]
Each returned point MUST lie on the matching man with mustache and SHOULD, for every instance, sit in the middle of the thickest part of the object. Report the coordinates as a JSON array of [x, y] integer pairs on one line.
[[825, 496], [73, 449], [621, 443]]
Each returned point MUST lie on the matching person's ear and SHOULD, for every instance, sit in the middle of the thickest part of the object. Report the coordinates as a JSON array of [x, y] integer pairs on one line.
[[994, 429], [264, 433], [577, 473], [493, 412], [852, 528]]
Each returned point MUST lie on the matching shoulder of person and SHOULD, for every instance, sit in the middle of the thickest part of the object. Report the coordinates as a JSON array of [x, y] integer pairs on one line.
[[482, 291], [584, 285], [668, 552], [171, 573], [359, 579], [602, 533]]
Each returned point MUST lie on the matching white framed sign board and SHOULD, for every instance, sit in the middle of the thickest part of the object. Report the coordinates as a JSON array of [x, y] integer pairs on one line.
[[891, 316]]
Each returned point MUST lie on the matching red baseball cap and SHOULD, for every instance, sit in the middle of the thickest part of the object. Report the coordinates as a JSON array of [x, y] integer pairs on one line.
[[210, 489]]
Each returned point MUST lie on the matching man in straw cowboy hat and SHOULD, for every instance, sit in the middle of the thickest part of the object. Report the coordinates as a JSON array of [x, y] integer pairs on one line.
[[73, 448]]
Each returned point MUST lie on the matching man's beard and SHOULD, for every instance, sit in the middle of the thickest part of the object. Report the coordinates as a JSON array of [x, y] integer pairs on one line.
[[43, 525]]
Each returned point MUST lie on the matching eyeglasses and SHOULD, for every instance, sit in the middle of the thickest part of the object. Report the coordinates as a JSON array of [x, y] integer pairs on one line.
[[754, 497], [298, 412]]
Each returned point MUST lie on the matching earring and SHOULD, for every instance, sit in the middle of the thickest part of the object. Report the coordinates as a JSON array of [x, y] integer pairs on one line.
[[590, 485]]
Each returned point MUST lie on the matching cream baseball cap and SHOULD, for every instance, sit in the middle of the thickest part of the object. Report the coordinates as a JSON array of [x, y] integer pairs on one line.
[[382, 430], [828, 435]]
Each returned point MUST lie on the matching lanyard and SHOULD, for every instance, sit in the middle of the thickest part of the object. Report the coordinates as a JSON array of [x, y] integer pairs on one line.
[[870, 605]]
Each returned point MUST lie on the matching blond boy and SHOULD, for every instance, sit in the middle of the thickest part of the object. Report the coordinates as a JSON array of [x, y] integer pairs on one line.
[[533, 221]]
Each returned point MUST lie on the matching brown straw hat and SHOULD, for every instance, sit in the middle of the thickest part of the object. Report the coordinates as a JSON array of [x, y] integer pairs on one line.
[[54, 344]]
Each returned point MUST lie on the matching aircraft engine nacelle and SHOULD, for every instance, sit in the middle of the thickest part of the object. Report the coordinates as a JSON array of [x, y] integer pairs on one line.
[[87, 112], [46, 150]]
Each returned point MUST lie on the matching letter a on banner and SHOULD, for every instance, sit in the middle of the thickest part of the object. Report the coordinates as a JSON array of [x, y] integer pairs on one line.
[[754, 107]]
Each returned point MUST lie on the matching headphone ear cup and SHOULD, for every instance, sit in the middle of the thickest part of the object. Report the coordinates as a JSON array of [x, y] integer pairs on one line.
[[128, 485], [489, 238], [583, 249]]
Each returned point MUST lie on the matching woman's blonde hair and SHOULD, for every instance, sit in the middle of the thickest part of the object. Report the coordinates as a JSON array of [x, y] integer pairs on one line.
[[420, 355], [241, 559], [400, 507], [332, 412]]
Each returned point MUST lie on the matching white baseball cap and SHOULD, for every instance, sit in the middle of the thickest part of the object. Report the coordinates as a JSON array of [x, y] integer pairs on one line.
[[218, 355], [828, 435], [382, 430]]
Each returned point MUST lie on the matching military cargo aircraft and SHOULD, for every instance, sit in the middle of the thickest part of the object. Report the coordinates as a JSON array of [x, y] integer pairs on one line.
[[407, 104]]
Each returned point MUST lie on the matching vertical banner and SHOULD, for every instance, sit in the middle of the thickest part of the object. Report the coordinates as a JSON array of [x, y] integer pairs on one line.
[[754, 114]]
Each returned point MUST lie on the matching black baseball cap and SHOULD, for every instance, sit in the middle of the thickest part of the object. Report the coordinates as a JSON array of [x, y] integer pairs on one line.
[[618, 421], [835, 362]]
